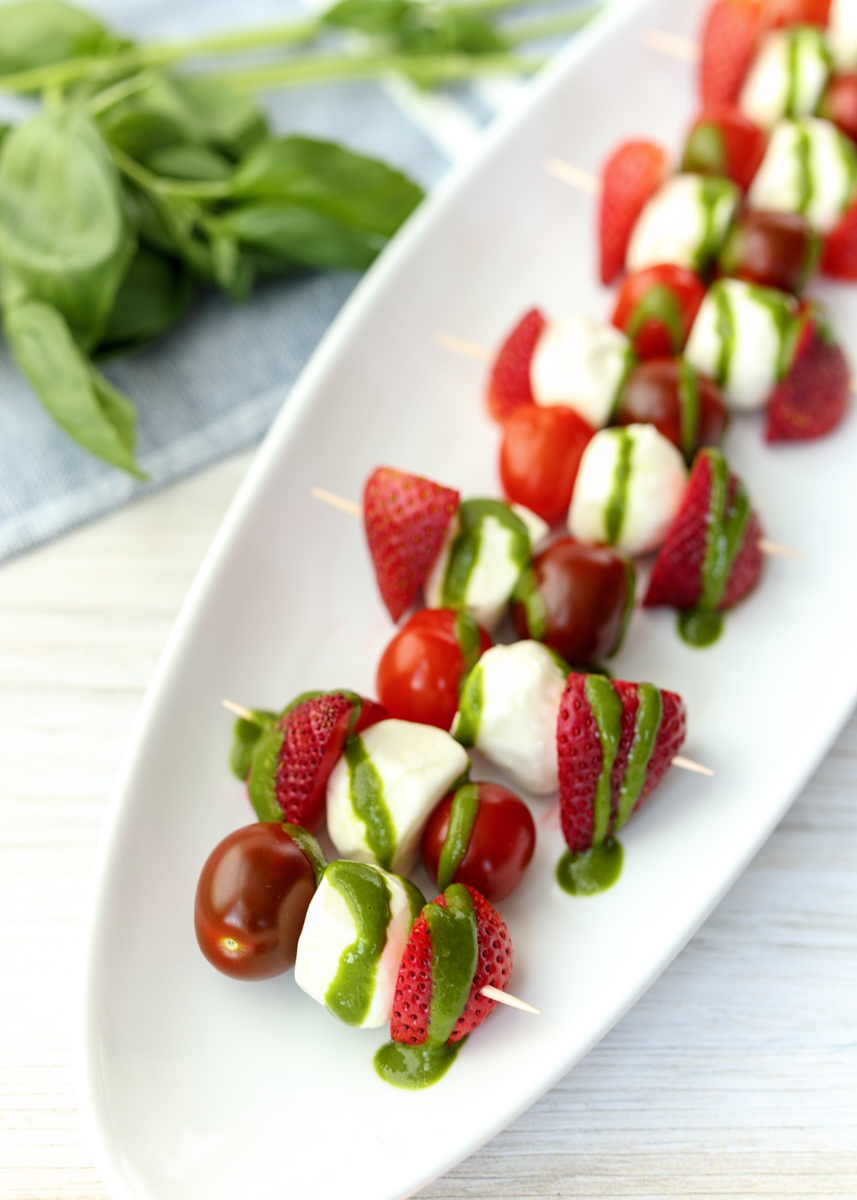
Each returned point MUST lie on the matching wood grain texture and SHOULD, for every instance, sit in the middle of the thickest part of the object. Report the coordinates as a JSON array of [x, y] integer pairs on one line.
[[735, 1076]]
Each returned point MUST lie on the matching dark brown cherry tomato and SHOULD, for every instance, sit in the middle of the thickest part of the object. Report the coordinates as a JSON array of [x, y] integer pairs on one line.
[[421, 670], [722, 141], [501, 842], [251, 901], [657, 307], [660, 392], [772, 249], [541, 451], [586, 593], [839, 103]]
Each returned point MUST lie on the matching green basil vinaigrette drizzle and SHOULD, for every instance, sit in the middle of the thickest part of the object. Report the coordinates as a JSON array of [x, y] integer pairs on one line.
[[466, 727], [464, 552], [367, 800], [606, 706], [364, 889], [725, 334], [414, 1067], [614, 515], [263, 774], [462, 818], [646, 725], [593, 871], [469, 642], [312, 851]]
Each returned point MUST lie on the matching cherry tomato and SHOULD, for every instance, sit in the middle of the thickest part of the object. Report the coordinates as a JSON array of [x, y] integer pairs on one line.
[[541, 451], [773, 249], [657, 307], [724, 142], [660, 392], [500, 847], [251, 901], [586, 594], [839, 104], [422, 668]]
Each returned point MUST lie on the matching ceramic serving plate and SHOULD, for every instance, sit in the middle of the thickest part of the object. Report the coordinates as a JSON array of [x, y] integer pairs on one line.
[[196, 1086]]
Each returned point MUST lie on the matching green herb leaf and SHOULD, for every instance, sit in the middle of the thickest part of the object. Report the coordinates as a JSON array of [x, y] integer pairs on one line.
[[225, 119], [153, 296], [83, 402], [38, 32], [190, 162], [375, 18], [358, 191], [64, 237], [299, 237], [139, 131]]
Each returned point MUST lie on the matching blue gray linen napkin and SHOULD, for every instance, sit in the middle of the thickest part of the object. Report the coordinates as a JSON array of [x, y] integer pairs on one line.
[[214, 384]]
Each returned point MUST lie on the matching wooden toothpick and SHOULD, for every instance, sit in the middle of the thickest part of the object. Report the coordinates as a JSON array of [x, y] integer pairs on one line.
[[775, 550], [460, 346], [671, 44], [492, 993], [687, 764], [356, 510], [582, 181], [238, 709]]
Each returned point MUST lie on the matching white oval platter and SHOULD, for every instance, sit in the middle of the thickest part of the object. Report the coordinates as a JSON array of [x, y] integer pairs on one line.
[[196, 1086]]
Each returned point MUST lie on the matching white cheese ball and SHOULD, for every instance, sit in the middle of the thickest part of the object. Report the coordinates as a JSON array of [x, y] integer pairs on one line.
[[520, 687], [809, 168], [581, 365], [644, 504], [684, 223], [495, 571], [330, 929], [753, 322], [787, 77], [416, 766], [842, 34]]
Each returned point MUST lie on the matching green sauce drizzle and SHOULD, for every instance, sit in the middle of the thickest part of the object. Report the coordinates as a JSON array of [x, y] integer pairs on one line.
[[414, 1067], [646, 726], [688, 398], [462, 818], [591, 872], [724, 535], [660, 303], [416, 900], [365, 891], [803, 158], [527, 593], [367, 800], [725, 333], [310, 847], [465, 728], [705, 151], [713, 193], [606, 706], [782, 312], [263, 774], [627, 608], [792, 72], [464, 552], [469, 641], [614, 514]]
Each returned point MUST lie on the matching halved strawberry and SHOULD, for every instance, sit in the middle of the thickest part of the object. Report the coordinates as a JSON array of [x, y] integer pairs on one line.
[[406, 519], [677, 576], [630, 177], [729, 39], [412, 1003], [840, 249], [509, 386], [581, 755], [813, 397]]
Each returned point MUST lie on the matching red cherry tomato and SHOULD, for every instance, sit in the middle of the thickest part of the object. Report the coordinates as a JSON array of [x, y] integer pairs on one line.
[[772, 249], [722, 141], [587, 593], [839, 104], [656, 394], [422, 668], [657, 307], [541, 451], [501, 842], [251, 901]]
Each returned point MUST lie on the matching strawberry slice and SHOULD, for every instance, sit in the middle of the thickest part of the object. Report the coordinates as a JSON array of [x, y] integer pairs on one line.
[[630, 177], [840, 249], [729, 39], [412, 1003], [813, 397], [509, 387], [581, 752], [406, 519], [677, 578]]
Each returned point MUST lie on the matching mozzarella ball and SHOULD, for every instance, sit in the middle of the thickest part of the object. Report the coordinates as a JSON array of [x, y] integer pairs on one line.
[[808, 168], [580, 364], [684, 223]]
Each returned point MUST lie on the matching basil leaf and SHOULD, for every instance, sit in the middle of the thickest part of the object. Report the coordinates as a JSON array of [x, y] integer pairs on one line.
[[63, 232], [225, 119], [38, 32], [83, 402], [300, 237], [153, 296], [139, 131], [190, 162], [358, 191], [232, 270], [375, 18]]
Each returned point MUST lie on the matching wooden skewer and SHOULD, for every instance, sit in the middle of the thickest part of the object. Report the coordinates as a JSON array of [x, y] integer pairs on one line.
[[671, 44], [238, 709], [492, 993], [687, 764], [583, 181], [775, 550], [459, 346]]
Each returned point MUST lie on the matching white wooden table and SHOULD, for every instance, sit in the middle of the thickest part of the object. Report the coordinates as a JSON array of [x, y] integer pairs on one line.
[[735, 1076]]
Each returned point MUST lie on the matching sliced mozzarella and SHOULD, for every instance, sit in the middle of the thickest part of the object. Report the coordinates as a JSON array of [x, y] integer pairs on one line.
[[580, 364], [809, 168], [787, 76], [739, 339], [502, 538], [629, 488], [509, 712], [685, 223], [331, 931], [842, 34], [411, 768]]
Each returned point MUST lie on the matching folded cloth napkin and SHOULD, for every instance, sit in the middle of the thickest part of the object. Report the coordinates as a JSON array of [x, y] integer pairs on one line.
[[214, 384]]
